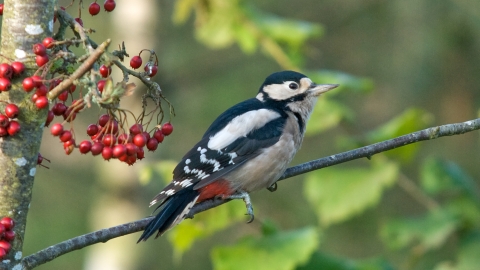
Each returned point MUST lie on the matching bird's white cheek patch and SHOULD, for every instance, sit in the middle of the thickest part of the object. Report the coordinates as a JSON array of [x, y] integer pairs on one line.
[[240, 126]]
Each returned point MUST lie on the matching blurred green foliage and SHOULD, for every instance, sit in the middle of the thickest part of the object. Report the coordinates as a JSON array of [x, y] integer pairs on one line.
[[399, 63]]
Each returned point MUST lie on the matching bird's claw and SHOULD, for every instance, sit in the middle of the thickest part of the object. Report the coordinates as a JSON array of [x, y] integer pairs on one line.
[[248, 203], [273, 187]]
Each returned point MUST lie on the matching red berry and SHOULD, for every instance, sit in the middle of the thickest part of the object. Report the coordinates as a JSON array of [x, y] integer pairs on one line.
[[5, 245], [151, 70], [48, 42], [66, 136], [105, 71], [59, 109], [13, 128], [11, 110], [18, 68], [132, 149], [103, 119], [101, 85], [140, 153], [85, 147], [112, 127], [69, 115], [167, 129], [4, 121], [146, 134], [41, 60], [9, 236], [41, 90], [68, 147], [63, 96], [3, 252], [1, 9], [139, 140], [97, 148], [123, 158], [41, 102], [159, 135], [50, 117], [94, 8], [152, 144], [28, 84], [124, 138], [79, 21], [37, 80], [109, 139], [92, 129], [136, 129], [107, 152], [7, 222], [131, 160], [2, 229], [97, 137], [39, 49], [56, 129], [6, 71], [119, 150], [135, 62], [109, 5], [5, 84], [3, 131]]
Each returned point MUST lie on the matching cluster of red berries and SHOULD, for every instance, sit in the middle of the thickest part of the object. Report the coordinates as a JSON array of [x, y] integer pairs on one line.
[[40, 50], [7, 72], [150, 68], [108, 5], [108, 140], [7, 235], [8, 126]]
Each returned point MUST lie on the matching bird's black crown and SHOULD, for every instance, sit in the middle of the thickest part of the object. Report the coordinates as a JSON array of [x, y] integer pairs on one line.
[[283, 76]]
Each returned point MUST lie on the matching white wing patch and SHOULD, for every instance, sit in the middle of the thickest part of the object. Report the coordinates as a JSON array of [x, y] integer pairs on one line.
[[240, 126]]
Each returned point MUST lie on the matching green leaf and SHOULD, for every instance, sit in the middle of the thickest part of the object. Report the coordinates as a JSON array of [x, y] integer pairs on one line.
[[217, 31], [183, 236], [345, 80], [327, 114], [321, 260], [429, 231], [280, 251], [183, 9], [444, 176], [337, 194], [292, 32], [409, 121]]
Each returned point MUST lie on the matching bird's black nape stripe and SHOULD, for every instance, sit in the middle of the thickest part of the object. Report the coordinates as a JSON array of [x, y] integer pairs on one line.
[[301, 124], [169, 211]]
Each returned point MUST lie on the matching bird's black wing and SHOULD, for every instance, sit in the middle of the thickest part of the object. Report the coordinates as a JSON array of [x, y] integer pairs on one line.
[[203, 165]]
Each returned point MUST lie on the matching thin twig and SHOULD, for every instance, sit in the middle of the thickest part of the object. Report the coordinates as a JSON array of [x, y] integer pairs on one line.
[[104, 235]]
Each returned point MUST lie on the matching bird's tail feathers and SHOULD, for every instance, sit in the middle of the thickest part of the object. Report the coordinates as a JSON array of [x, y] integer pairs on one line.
[[172, 211]]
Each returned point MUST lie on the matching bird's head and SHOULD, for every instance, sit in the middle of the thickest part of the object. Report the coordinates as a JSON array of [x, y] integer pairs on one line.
[[291, 86]]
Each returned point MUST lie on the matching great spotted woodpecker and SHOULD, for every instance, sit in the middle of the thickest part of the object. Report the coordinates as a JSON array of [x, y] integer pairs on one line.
[[247, 148]]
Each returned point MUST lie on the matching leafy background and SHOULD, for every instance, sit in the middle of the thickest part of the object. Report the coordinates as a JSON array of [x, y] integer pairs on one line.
[[403, 66]]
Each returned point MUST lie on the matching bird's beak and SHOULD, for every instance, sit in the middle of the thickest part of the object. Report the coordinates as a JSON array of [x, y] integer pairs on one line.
[[317, 89]]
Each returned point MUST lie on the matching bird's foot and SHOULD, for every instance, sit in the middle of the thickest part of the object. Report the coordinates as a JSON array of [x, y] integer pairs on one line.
[[273, 187], [248, 203]]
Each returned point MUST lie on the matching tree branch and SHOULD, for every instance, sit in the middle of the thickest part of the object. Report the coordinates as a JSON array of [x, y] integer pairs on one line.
[[104, 235]]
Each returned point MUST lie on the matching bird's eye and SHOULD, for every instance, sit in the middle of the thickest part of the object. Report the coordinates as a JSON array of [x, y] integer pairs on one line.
[[293, 86]]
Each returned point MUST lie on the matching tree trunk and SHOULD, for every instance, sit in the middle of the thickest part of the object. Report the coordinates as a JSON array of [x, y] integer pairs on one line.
[[25, 22]]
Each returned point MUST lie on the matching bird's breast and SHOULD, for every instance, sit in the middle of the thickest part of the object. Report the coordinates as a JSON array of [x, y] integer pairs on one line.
[[263, 170]]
